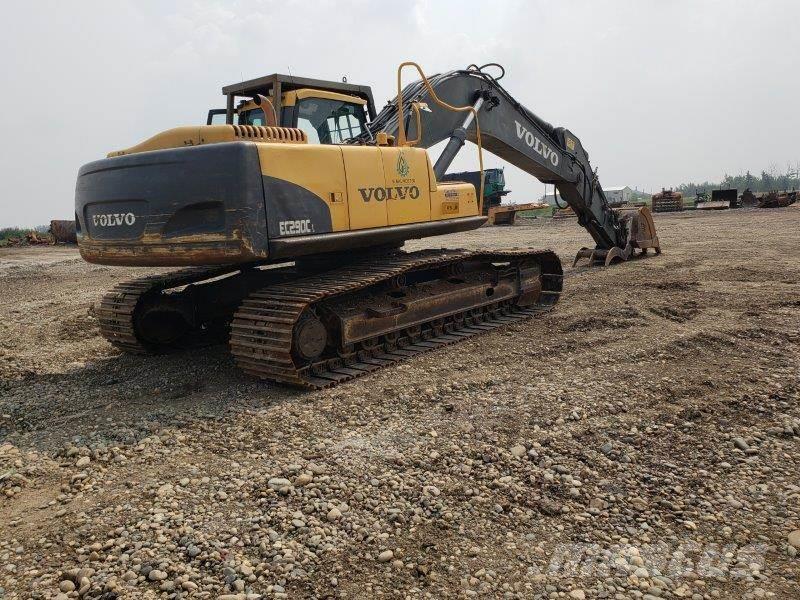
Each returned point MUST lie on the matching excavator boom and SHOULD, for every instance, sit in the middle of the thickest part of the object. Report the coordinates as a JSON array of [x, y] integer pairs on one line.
[[554, 155]]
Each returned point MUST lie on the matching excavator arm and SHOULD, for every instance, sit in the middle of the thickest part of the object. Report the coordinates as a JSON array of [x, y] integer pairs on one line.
[[554, 155]]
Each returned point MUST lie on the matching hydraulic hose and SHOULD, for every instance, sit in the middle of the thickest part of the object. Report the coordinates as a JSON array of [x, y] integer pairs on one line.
[[401, 133]]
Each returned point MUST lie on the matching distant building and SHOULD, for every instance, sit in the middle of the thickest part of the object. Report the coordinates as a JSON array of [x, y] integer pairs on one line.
[[548, 199], [618, 195], [614, 195]]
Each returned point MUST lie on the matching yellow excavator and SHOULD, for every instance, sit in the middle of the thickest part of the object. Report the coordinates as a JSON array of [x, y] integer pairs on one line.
[[290, 208]]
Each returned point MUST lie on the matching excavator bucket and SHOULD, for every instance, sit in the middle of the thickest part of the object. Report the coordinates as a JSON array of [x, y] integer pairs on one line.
[[642, 231], [641, 235]]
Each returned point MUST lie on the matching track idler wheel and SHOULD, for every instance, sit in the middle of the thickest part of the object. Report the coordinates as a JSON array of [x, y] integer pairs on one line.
[[163, 322], [309, 338]]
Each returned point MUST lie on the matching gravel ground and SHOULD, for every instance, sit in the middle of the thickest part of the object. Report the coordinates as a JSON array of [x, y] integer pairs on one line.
[[640, 441]]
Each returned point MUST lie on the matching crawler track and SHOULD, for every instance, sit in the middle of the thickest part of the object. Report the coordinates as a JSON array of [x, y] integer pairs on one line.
[[117, 309], [264, 328]]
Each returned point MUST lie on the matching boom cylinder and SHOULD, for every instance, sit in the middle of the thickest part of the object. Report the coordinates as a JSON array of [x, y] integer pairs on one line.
[[457, 139]]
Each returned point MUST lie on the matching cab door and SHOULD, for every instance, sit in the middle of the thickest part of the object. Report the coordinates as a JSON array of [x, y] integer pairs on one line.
[[407, 182]]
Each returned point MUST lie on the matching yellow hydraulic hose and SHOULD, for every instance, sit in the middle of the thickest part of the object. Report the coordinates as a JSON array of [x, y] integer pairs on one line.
[[402, 126]]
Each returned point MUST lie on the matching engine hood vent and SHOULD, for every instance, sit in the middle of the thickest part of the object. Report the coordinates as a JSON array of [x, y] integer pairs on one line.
[[181, 137]]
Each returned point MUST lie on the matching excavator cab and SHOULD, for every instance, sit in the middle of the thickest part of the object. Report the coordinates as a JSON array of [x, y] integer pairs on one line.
[[327, 112]]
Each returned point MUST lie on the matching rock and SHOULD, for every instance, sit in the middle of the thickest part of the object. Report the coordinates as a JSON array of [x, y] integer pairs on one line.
[[334, 514], [385, 556], [279, 484], [740, 443], [156, 575], [193, 551], [303, 479], [519, 450], [431, 490], [794, 539], [83, 461], [84, 585], [597, 504], [577, 594], [316, 469], [66, 586], [549, 507]]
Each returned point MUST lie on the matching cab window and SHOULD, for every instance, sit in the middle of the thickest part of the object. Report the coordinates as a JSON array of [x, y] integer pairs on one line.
[[252, 117], [330, 121]]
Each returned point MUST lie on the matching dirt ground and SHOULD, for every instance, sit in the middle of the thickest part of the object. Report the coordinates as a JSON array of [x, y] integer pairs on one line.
[[640, 441]]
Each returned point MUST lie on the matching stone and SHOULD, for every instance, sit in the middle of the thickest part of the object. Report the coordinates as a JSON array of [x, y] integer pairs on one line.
[[279, 483], [156, 575], [83, 461], [577, 594], [740, 443], [315, 468], [66, 586], [385, 556], [794, 539], [303, 479], [334, 514], [519, 450]]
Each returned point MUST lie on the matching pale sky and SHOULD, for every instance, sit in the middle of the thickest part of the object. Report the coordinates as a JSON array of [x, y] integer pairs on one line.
[[660, 92]]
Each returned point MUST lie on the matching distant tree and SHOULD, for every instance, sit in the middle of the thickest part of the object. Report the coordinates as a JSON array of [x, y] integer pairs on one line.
[[770, 179]]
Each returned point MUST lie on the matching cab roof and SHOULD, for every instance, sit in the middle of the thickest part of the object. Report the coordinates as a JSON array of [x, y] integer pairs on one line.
[[278, 84]]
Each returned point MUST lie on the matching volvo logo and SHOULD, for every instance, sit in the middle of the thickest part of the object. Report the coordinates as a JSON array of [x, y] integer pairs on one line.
[[538, 146], [114, 219], [400, 192]]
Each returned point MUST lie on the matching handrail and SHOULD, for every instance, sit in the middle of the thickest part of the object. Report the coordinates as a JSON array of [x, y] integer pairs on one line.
[[401, 141]]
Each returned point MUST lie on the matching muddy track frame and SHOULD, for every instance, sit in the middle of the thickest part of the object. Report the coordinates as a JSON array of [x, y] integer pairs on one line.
[[263, 330]]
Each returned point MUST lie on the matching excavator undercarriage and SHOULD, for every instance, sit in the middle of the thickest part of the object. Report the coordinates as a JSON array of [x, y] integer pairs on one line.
[[340, 324], [292, 213], [316, 329]]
